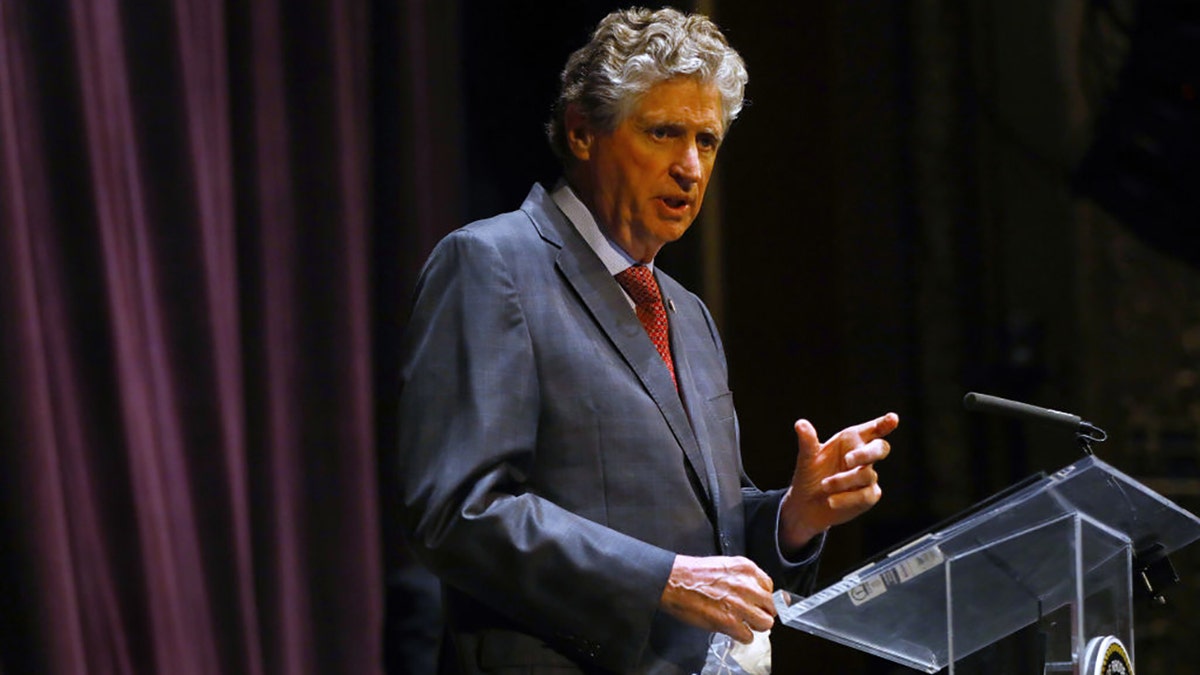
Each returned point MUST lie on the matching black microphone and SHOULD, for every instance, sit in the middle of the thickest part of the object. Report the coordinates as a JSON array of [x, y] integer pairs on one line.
[[1085, 432], [1002, 406]]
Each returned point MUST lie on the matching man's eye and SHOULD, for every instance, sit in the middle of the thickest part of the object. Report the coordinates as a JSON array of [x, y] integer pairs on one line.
[[660, 132]]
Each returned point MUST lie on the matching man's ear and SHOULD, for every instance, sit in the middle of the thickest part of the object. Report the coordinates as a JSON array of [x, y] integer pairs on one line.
[[580, 134]]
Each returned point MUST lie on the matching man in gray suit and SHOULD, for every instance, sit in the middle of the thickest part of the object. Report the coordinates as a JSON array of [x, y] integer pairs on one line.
[[570, 464]]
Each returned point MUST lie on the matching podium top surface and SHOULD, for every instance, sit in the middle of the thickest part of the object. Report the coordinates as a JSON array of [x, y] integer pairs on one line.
[[1026, 551], [1090, 487]]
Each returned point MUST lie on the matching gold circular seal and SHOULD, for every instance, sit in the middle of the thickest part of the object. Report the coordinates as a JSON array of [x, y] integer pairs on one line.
[[1107, 656]]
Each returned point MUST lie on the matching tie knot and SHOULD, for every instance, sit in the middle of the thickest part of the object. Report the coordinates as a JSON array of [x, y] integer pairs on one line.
[[638, 281]]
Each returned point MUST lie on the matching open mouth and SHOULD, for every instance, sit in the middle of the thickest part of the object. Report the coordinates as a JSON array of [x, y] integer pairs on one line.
[[675, 202]]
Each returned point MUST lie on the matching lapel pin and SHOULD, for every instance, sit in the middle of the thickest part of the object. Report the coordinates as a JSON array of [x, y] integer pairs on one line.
[[671, 305]]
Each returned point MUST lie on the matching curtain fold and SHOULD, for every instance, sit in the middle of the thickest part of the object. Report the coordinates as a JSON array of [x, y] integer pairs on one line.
[[187, 447]]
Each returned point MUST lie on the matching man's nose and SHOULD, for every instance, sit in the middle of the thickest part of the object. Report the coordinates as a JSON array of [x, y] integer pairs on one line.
[[687, 169]]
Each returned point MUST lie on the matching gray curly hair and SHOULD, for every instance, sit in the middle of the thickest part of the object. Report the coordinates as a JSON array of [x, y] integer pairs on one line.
[[631, 51]]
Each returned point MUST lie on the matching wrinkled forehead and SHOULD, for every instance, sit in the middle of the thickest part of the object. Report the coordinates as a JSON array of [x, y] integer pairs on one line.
[[681, 102], [679, 99]]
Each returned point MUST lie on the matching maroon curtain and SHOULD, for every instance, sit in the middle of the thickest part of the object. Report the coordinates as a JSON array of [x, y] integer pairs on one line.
[[187, 410]]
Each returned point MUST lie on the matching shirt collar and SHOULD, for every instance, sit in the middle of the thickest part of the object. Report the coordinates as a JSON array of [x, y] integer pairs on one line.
[[615, 258]]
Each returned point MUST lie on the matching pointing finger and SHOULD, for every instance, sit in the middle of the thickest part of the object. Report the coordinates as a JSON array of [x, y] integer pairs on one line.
[[876, 428]]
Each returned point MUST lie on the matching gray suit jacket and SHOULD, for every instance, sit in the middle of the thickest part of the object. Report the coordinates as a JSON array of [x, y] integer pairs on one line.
[[549, 469]]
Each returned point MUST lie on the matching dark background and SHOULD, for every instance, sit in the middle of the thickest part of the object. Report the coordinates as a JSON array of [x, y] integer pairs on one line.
[[212, 214]]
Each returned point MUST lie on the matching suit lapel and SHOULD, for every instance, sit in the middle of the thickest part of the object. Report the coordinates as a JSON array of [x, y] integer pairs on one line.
[[682, 340], [607, 304]]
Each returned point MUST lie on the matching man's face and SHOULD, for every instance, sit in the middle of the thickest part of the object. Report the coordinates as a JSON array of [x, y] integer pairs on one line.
[[645, 180]]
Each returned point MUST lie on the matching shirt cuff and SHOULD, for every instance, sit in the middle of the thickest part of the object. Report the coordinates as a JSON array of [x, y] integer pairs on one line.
[[807, 554]]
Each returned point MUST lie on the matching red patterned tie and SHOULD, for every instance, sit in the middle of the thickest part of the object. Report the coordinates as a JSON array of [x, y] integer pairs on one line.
[[638, 281]]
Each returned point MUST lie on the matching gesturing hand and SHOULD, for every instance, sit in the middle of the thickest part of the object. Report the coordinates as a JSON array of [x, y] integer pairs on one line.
[[834, 481], [721, 594]]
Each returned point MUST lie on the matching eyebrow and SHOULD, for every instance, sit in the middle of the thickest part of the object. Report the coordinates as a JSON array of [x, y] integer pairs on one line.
[[680, 124]]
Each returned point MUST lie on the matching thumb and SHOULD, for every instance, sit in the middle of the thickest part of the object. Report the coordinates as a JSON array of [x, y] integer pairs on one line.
[[806, 436]]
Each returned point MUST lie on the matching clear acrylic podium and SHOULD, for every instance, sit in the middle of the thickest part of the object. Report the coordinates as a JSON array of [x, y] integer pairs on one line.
[[1056, 552]]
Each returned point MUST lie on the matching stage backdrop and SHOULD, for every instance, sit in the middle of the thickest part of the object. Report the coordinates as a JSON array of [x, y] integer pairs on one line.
[[188, 469]]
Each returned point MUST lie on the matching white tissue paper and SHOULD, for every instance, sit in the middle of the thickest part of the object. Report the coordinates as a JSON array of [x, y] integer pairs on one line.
[[727, 656]]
